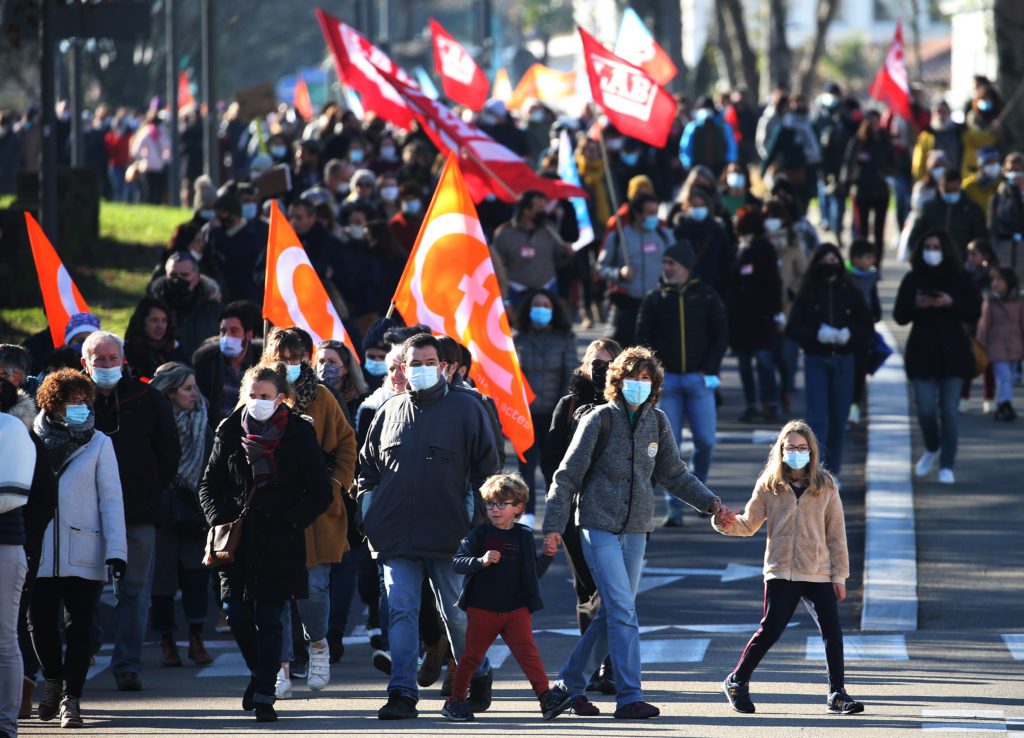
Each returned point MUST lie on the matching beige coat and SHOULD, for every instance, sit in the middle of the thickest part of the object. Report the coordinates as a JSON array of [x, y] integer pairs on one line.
[[806, 537]]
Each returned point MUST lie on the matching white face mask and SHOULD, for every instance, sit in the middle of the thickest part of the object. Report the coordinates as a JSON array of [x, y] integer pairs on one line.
[[260, 410], [772, 224], [992, 170], [356, 231], [389, 194], [422, 377], [932, 258]]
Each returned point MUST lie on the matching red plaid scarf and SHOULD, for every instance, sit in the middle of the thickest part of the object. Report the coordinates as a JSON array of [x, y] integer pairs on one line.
[[260, 441]]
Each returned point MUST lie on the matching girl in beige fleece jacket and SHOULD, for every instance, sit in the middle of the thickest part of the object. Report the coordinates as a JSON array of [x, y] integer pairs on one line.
[[805, 559]]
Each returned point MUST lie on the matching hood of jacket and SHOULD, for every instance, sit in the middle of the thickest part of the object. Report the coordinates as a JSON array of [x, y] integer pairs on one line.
[[24, 409]]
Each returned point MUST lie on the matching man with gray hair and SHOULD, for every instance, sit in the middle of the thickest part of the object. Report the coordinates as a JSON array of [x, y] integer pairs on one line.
[[141, 425], [193, 298]]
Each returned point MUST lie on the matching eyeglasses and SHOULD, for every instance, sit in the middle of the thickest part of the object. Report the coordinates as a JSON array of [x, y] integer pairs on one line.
[[796, 449], [499, 505]]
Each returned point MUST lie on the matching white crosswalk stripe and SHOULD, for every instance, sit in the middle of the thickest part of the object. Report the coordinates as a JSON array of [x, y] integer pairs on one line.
[[863, 648], [967, 721], [1015, 643]]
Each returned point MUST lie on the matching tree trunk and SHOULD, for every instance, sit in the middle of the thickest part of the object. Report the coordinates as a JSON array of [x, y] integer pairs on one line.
[[1009, 25], [724, 54], [736, 30], [914, 11], [827, 10], [779, 56]]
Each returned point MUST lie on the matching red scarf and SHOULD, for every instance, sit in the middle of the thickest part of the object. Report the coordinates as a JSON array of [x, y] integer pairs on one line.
[[260, 441]]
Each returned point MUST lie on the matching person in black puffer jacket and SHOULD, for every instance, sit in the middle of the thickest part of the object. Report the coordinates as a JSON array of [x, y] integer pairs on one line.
[[831, 322], [938, 297], [586, 387]]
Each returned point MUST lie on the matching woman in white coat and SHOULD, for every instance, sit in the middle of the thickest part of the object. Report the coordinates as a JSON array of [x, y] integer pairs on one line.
[[86, 536]]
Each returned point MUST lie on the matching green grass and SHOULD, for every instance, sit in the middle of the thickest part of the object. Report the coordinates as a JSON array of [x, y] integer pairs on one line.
[[115, 279]]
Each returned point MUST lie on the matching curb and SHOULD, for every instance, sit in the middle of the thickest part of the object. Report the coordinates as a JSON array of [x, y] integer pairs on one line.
[[890, 541]]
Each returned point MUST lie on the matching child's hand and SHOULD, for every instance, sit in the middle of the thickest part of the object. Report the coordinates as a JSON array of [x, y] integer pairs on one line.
[[725, 517], [840, 590], [491, 557], [550, 546]]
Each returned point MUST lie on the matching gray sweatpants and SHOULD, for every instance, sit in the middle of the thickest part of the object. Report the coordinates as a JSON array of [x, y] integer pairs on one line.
[[13, 569]]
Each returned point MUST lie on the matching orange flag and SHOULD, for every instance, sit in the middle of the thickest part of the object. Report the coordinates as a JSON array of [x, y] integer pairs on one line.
[[294, 294], [502, 86], [301, 101], [184, 91], [450, 286], [61, 299], [548, 85]]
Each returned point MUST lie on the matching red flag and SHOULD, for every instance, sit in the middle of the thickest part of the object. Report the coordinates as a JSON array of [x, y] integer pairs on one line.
[[449, 285], [632, 100], [489, 168], [891, 85], [61, 298], [293, 294], [463, 81], [184, 91], [358, 63], [301, 101]]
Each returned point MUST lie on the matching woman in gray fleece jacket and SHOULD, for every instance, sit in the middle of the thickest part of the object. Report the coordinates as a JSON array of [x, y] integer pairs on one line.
[[615, 452]]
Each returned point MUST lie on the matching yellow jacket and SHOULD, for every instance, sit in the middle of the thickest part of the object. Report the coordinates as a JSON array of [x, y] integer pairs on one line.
[[978, 192]]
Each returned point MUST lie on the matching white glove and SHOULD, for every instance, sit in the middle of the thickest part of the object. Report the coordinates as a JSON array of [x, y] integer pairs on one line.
[[843, 336], [826, 334]]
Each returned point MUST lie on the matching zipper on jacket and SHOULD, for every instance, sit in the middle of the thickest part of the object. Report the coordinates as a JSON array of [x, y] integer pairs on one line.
[[632, 467]]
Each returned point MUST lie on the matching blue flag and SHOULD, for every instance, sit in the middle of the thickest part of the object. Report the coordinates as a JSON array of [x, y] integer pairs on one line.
[[567, 172]]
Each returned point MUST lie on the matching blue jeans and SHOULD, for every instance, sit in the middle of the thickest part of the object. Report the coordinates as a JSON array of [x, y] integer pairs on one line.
[[788, 352], [686, 394], [833, 208], [765, 376], [13, 569], [132, 599], [314, 611], [403, 579], [1003, 371], [829, 393], [256, 626], [939, 398], [615, 562], [902, 187]]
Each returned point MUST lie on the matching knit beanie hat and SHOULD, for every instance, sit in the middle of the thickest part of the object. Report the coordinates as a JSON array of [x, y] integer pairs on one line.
[[681, 251], [640, 180], [80, 323]]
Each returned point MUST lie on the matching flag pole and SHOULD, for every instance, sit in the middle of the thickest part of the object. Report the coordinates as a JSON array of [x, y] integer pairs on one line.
[[391, 310], [615, 200]]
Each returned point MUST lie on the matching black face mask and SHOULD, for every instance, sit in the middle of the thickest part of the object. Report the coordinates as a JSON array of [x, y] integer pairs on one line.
[[599, 376], [828, 270], [178, 286]]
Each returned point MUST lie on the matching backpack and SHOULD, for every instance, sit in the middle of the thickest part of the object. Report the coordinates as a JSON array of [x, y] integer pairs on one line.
[[602, 437]]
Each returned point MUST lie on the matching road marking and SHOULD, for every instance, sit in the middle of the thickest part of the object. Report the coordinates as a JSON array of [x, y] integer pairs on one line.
[[863, 648], [1015, 643], [648, 583], [964, 728], [997, 714], [724, 627], [497, 654], [226, 665], [673, 651], [890, 545], [101, 665], [576, 631], [731, 573]]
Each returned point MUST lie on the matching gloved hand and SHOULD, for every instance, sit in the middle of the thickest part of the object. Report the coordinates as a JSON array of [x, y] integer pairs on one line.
[[827, 334], [712, 382], [843, 336], [118, 568]]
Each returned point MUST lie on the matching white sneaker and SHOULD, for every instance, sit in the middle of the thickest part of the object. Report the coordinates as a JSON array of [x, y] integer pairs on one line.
[[963, 406], [946, 476], [319, 675], [529, 520], [854, 418], [986, 406], [926, 463], [283, 686]]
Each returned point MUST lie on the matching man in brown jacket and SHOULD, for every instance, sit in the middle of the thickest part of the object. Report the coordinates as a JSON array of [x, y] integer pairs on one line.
[[327, 537]]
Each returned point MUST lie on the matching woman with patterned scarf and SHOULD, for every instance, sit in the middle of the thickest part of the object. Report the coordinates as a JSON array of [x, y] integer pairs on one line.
[[86, 536], [180, 540], [327, 537], [265, 450]]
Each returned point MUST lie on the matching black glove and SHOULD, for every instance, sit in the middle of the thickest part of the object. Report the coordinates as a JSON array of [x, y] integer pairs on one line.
[[118, 567]]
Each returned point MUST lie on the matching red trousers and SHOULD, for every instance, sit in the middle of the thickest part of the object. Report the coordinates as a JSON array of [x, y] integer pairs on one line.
[[516, 629]]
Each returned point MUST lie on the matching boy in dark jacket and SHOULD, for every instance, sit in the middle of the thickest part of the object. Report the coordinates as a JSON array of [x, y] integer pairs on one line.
[[501, 594]]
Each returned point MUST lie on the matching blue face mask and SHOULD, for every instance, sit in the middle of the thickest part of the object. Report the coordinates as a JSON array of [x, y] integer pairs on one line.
[[76, 414], [636, 391], [796, 459], [423, 377], [376, 367], [207, 215], [951, 197], [629, 158], [650, 222], [540, 316], [698, 214], [249, 210], [105, 378], [292, 372]]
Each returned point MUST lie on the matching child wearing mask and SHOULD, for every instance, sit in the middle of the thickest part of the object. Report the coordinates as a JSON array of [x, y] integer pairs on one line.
[[1001, 332], [806, 559]]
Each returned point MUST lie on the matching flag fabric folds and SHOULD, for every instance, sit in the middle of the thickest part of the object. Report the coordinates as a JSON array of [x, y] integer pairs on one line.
[[488, 167], [185, 98], [61, 299], [548, 85], [502, 86], [294, 294], [449, 285], [891, 85], [636, 45], [301, 101], [358, 62], [462, 79], [634, 103], [569, 173]]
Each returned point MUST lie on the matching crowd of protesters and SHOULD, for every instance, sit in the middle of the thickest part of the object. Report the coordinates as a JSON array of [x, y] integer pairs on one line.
[[701, 248]]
